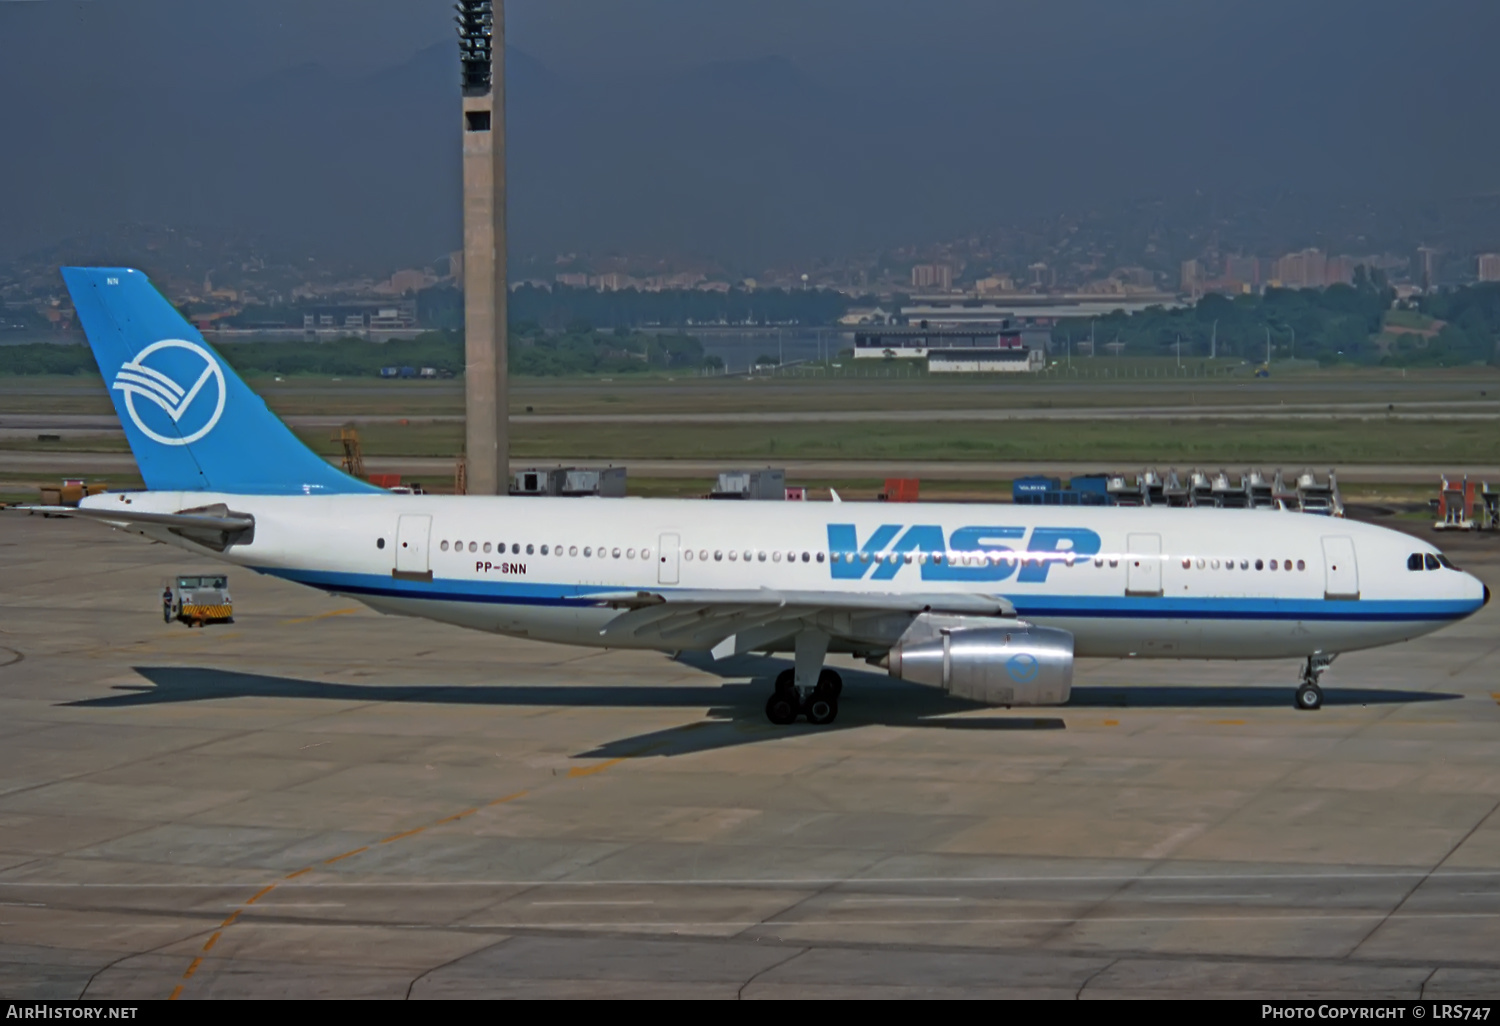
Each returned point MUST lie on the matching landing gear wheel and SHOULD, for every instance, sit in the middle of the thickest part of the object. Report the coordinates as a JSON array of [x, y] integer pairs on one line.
[[786, 681], [830, 683], [822, 709], [1309, 696], [782, 708]]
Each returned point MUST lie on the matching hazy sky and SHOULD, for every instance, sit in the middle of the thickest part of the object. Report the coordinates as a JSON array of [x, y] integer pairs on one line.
[[882, 120]]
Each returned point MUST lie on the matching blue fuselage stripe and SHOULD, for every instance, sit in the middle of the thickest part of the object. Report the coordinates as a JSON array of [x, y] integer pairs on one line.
[[515, 593]]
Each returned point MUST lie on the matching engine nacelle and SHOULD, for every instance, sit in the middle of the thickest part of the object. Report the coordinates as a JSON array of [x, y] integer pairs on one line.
[[1013, 664]]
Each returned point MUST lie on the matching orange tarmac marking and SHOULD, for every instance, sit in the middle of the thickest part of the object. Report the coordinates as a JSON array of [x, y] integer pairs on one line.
[[508, 798], [1496, 696], [456, 815], [588, 771], [397, 837], [232, 917], [213, 940], [293, 876], [261, 894], [1228, 723], [1111, 723], [347, 854], [193, 968], [176, 993]]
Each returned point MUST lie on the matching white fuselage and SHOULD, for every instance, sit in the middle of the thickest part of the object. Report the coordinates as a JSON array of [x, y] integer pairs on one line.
[[1153, 582]]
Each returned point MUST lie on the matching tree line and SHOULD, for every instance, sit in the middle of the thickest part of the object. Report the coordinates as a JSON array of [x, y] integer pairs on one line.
[[1354, 324], [579, 349]]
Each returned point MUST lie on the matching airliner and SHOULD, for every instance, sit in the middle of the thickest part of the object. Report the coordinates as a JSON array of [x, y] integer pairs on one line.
[[991, 603]]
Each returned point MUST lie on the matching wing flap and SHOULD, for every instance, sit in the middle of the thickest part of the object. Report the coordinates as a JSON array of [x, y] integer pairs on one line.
[[705, 618]]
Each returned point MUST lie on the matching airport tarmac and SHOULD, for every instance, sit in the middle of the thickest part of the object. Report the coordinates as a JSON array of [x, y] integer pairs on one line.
[[320, 801]]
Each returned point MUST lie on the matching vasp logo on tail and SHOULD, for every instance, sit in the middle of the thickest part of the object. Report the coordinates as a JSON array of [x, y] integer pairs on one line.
[[177, 381]]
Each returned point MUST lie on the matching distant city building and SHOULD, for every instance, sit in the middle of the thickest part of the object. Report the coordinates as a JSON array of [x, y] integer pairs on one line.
[[1305, 270], [456, 265], [403, 282], [1242, 270], [993, 285], [932, 276], [575, 279], [1429, 264], [1135, 278], [1489, 267], [1192, 277], [1339, 270]]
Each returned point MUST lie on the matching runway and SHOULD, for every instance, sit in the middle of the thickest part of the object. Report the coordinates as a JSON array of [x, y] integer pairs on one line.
[[320, 801]]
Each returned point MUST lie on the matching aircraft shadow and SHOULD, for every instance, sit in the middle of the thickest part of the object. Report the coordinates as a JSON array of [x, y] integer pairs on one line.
[[735, 707]]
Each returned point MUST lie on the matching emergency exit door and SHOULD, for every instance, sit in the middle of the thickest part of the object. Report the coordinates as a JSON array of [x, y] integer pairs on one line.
[[666, 565], [1143, 564], [412, 535], [1340, 572]]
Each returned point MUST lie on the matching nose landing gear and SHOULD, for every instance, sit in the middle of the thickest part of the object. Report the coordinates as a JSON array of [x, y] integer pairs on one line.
[[1309, 692]]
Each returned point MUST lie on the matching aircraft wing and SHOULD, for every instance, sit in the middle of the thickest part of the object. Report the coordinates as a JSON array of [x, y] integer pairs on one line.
[[215, 527], [741, 621]]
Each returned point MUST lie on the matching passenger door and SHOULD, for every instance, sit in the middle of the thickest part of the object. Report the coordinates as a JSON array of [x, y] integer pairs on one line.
[[412, 538], [1143, 564], [667, 565], [1340, 572]]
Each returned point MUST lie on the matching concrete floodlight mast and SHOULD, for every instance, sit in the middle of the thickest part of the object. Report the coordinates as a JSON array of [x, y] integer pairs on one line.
[[481, 55]]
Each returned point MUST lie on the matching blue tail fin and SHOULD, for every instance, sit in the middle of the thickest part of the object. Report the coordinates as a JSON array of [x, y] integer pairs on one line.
[[191, 422]]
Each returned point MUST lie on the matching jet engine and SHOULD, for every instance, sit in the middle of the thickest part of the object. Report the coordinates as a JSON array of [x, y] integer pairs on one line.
[[1014, 663]]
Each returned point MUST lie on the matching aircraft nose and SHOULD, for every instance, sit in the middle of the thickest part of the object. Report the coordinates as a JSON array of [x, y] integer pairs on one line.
[[1486, 594]]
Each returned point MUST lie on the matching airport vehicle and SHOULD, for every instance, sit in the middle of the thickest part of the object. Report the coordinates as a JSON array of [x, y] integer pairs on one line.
[[989, 602], [202, 599]]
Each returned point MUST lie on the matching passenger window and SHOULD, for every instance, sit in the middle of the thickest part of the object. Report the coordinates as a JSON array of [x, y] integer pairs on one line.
[[630, 553], [616, 553], [486, 548], [1301, 564], [1414, 561], [775, 557], [588, 551], [820, 557], [807, 557], [444, 546], [572, 550], [718, 556], [687, 554], [1273, 565], [733, 556], [703, 555], [1432, 562], [1260, 565], [762, 557], [473, 546], [544, 549], [530, 549]]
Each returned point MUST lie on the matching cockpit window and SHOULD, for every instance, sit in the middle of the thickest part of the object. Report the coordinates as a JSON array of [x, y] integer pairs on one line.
[[1414, 561], [1432, 562], [1444, 561]]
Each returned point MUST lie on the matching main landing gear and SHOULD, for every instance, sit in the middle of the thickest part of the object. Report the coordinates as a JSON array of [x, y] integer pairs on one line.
[[810, 689], [821, 706], [1309, 693]]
